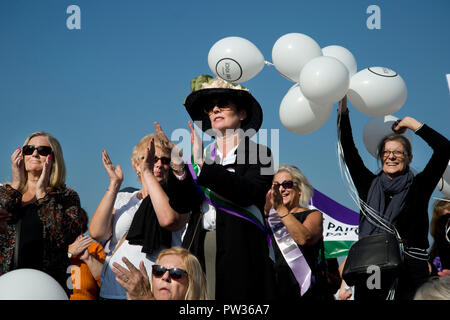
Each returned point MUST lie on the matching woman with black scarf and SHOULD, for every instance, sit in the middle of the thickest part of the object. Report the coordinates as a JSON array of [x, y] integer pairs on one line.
[[398, 196], [139, 223]]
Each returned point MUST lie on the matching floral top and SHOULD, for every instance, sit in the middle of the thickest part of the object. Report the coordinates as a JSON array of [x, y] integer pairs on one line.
[[59, 212]]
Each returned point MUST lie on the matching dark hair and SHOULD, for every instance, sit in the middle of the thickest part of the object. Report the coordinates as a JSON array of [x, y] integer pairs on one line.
[[84, 220], [394, 137]]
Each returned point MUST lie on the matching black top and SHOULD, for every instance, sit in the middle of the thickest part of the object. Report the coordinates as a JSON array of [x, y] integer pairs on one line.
[[31, 242], [244, 270], [412, 222], [287, 285]]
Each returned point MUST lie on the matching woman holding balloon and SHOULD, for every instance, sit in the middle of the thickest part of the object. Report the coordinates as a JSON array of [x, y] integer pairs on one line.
[[397, 195]]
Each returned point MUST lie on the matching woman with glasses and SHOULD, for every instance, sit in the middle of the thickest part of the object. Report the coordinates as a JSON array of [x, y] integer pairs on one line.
[[139, 223], [398, 196], [176, 275], [232, 176], [44, 214], [296, 235]]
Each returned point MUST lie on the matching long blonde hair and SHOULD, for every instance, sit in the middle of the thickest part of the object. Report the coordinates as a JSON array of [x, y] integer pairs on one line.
[[302, 182], [197, 279], [58, 174]]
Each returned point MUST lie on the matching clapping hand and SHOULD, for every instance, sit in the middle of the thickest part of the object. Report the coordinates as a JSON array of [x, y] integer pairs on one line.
[[176, 155], [197, 146], [79, 247], [44, 179], [114, 172], [134, 281], [18, 169]]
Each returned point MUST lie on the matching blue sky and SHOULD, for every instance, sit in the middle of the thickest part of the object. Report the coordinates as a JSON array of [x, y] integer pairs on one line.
[[102, 87]]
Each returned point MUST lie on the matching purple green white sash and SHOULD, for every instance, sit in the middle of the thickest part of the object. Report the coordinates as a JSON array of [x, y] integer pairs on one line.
[[251, 213]]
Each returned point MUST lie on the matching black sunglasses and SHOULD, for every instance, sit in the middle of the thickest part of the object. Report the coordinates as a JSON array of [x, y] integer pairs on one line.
[[288, 184], [42, 150], [164, 160], [222, 104], [174, 273]]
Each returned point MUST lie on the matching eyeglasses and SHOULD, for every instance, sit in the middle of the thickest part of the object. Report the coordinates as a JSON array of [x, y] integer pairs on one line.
[[42, 150], [174, 273], [396, 153], [288, 184], [164, 160], [222, 104]]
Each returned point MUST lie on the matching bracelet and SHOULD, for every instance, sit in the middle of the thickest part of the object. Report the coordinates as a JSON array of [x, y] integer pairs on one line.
[[281, 217]]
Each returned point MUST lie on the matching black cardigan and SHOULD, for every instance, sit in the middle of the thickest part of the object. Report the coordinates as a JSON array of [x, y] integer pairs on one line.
[[412, 222], [244, 270]]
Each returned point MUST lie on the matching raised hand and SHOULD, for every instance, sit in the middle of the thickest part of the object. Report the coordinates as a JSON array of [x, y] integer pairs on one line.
[[400, 126], [134, 281], [176, 155], [18, 169], [44, 179], [114, 172], [148, 162], [276, 198], [197, 146]]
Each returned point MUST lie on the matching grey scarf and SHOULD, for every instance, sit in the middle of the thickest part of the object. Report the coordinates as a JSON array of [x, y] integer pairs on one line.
[[381, 187]]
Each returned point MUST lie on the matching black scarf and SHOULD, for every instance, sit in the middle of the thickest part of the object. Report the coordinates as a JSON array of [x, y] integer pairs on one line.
[[381, 187], [146, 231]]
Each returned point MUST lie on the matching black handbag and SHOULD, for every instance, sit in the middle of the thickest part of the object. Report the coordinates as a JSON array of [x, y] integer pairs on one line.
[[382, 250]]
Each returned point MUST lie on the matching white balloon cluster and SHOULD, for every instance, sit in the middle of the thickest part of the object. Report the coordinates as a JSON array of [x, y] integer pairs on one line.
[[323, 77]]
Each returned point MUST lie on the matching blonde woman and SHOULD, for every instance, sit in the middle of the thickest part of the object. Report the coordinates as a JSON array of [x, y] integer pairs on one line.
[[45, 215], [293, 224], [142, 222], [176, 275]]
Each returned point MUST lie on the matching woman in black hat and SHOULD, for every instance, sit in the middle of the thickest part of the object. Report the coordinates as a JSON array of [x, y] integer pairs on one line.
[[228, 234]]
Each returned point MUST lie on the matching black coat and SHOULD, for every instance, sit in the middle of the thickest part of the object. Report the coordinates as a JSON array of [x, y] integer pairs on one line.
[[244, 270]]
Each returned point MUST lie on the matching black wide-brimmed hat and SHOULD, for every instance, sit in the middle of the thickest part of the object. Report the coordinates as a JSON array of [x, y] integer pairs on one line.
[[206, 88]]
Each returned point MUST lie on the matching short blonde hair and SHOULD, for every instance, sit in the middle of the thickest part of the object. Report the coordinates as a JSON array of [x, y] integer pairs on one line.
[[197, 279], [302, 182], [58, 174], [143, 144]]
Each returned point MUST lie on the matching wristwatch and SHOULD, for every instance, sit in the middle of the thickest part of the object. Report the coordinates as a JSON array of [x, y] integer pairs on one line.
[[69, 255]]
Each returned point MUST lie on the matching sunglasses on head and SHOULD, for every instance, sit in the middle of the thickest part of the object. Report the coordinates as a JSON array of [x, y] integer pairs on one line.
[[42, 150], [288, 184], [164, 160], [174, 273]]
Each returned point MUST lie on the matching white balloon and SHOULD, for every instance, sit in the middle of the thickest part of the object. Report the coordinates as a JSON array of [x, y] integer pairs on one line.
[[30, 284], [291, 52], [444, 183], [343, 55], [324, 80], [299, 115], [376, 129], [377, 91], [235, 59]]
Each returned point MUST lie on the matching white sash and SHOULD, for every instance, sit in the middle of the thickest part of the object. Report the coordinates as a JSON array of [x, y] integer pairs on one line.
[[291, 252]]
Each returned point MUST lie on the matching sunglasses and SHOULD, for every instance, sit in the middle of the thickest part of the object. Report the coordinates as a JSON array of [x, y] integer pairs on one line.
[[288, 184], [164, 160], [174, 273], [222, 104], [42, 150]]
